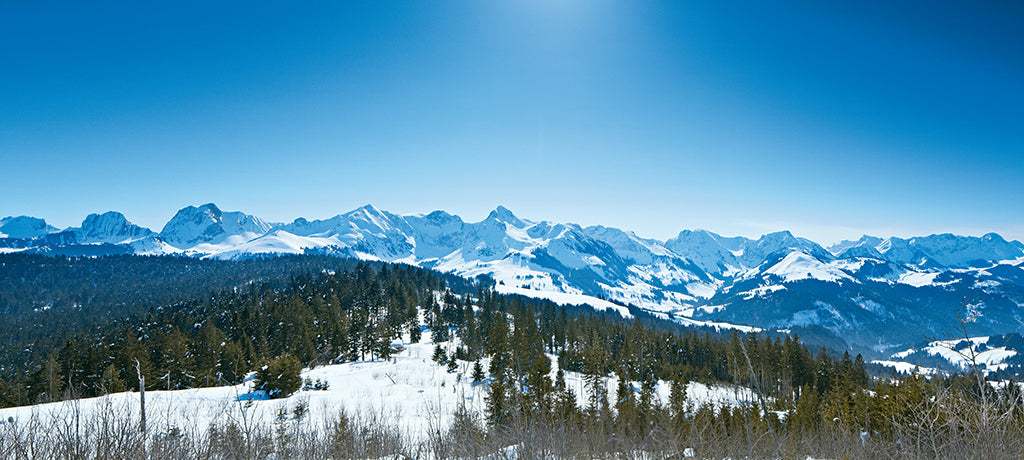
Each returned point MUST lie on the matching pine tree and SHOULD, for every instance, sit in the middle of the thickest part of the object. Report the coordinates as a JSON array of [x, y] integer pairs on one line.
[[440, 334], [383, 344], [176, 359], [565, 410], [497, 401], [625, 405], [859, 372], [539, 388], [210, 343], [415, 334], [825, 373], [111, 381], [52, 379], [677, 403], [594, 359], [440, 356], [478, 372], [801, 364], [280, 377], [231, 366], [807, 417]]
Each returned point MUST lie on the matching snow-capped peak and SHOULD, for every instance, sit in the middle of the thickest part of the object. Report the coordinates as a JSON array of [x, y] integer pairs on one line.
[[207, 224], [709, 251], [502, 214], [24, 227], [109, 227], [799, 265], [864, 241], [782, 241]]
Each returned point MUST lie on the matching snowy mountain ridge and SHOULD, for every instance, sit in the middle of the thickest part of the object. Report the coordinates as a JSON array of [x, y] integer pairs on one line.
[[853, 289], [24, 227]]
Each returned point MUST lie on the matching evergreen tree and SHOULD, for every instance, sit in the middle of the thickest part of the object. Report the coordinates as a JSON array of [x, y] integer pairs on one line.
[[627, 416], [538, 387], [594, 363], [231, 366], [478, 372], [280, 377], [807, 416], [440, 356], [415, 334], [497, 401], [677, 403], [51, 381], [111, 382], [176, 362], [210, 343]]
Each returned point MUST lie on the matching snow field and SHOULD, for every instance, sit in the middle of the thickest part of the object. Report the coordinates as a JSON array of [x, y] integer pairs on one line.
[[990, 359], [408, 391]]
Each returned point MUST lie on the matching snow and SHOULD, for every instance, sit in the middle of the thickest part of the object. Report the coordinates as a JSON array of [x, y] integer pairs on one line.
[[904, 354], [872, 306], [275, 242], [152, 246], [798, 265], [717, 325], [918, 279], [761, 291], [628, 245], [563, 298], [667, 273], [206, 229], [409, 391], [709, 251], [822, 314], [986, 284], [958, 352], [673, 277], [992, 359], [906, 368], [849, 265]]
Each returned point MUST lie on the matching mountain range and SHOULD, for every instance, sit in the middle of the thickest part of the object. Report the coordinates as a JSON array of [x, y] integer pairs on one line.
[[874, 294]]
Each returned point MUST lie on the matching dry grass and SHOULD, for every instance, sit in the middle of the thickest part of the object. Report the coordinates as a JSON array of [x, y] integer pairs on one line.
[[949, 425]]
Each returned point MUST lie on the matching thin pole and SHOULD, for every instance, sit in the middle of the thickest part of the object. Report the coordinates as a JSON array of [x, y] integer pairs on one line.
[[142, 396]]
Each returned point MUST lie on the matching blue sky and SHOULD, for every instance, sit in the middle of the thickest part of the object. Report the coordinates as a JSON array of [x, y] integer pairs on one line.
[[887, 118]]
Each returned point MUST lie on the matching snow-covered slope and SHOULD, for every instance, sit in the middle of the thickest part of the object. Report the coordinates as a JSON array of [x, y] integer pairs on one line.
[[991, 354], [409, 392], [798, 266]]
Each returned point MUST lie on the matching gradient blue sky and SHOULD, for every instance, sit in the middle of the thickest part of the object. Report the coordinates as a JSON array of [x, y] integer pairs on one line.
[[887, 118]]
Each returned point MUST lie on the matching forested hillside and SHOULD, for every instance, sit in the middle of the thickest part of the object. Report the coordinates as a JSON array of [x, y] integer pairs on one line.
[[44, 299]]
